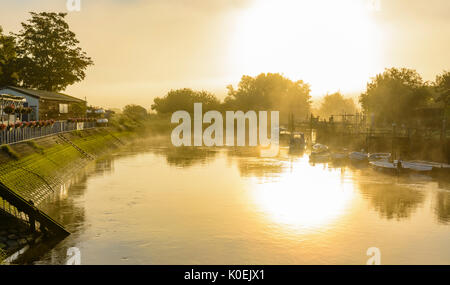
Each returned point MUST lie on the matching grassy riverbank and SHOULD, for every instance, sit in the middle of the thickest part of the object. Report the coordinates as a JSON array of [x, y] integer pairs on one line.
[[33, 169]]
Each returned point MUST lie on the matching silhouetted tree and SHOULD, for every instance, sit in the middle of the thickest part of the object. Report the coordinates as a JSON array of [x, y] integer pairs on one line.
[[49, 55], [135, 112], [184, 99], [270, 91], [334, 104], [442, 85], [394, 95], [8, 60]]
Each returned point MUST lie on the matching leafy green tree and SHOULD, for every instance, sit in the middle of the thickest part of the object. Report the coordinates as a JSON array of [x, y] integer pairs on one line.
[[395, 95], [334, 104], [270, 91], [135, 112], [49, 55], [8, 60], [184, 99]]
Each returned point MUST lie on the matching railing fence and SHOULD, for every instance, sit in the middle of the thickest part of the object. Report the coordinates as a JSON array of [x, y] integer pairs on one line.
[[15, 135]]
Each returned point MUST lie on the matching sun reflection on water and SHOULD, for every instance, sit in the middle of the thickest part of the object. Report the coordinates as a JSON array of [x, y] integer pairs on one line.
[[303, 198]]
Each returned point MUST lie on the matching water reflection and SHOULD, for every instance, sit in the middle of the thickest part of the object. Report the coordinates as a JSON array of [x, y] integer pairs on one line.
[[164, 205], [442, 208], [188, 156], [67, 206], [300, 198], [392, 201]]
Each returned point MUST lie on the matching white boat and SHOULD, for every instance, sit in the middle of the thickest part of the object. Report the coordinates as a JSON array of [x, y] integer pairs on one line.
[[416, 166], [404, 165], [319, 152], [384, 164], [435, 165], [358, 156], [379, 156], [339, 155], [319, 148]]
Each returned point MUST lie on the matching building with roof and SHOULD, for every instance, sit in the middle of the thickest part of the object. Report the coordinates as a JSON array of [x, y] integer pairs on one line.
[[48, 105]]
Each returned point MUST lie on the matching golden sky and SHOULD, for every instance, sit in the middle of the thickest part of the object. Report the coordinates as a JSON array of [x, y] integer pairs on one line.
[[144, 48]]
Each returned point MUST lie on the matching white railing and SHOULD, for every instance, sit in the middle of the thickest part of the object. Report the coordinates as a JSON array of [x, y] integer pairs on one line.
[[12, 134]]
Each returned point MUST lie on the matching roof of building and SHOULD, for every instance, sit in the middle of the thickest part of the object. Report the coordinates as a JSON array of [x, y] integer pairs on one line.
[[9, 97], [47, 95]]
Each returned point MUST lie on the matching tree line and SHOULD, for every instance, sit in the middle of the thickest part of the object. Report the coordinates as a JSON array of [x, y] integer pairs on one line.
[[395, 96], [267, 91]]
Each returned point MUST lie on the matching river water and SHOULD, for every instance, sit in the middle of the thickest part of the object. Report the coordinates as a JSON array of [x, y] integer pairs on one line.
[[151, 204]]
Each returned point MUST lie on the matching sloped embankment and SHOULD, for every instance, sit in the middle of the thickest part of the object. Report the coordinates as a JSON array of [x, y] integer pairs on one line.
[[34, 169]]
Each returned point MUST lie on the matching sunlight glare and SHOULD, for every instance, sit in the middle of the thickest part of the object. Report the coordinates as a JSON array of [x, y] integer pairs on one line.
[[330, 44], [303, 200]]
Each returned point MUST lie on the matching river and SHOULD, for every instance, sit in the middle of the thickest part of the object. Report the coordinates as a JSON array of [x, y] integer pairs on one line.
[[150, 204]]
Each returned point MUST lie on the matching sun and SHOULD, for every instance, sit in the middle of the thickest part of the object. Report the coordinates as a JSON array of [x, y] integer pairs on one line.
[[333, 45]]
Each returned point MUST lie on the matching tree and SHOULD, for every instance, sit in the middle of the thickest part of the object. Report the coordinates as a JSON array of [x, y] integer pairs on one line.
[[49, 56], [442, 85], [184, 99], [8, 60], [135, 112], [270, 91], [334, 104], [394, 95], [79, 109]]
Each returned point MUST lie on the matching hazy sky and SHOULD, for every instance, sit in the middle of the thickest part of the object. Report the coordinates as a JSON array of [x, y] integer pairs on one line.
[[144, 48]]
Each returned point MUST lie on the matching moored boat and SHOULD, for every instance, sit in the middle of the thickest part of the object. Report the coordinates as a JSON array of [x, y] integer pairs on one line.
[[319, 152], [297, 142], [379, 156], [358, 156], [400, 166]]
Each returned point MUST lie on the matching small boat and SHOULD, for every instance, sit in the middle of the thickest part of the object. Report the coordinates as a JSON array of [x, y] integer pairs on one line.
[[400, 166], [384, 165], [358, 156], [319, 149], [319, 152], [339, 155], [416, 166], [297, 141], [379, 156], [435, 165]]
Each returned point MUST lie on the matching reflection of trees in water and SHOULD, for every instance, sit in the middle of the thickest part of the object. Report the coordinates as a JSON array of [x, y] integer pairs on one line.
[[104, 165], [260, 167], [442, 207], [188, 156], [392, 200], [62, 207], [250, 163]]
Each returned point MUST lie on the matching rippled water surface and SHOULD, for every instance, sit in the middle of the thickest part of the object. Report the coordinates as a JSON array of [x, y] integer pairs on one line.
[[157, 205]]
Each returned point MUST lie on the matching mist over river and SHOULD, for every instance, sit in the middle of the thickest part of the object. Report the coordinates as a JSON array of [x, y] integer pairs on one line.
[[151, 204]]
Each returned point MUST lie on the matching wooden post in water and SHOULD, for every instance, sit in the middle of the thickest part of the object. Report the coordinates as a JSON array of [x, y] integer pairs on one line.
[[393, 154]]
